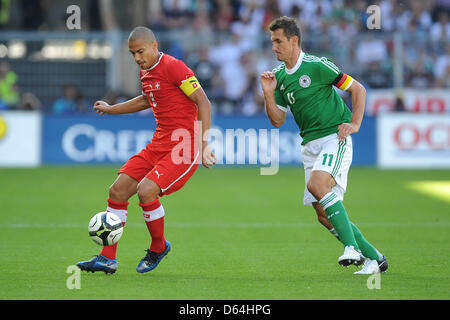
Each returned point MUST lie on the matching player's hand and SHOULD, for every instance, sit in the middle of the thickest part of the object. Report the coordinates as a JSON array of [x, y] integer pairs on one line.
[[102, 107], [208, 157], [346, 129], [268, 81]]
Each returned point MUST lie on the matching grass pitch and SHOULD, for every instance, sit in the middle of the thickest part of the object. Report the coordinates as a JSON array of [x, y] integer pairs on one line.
[[234, 234]]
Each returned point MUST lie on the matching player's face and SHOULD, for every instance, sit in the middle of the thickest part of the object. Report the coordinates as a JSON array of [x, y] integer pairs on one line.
[[282, 46], [145, 54]]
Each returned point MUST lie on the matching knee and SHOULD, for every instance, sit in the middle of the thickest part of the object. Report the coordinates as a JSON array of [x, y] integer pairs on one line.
[[117, 193], [314, 187], [147, 191], [319, 186]]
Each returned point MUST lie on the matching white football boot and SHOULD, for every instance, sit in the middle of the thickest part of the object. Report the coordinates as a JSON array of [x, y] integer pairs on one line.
[[351, 256], [369, 267]]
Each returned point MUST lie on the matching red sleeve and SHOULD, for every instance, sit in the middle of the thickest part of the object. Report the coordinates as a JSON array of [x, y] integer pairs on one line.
[[178, 72]]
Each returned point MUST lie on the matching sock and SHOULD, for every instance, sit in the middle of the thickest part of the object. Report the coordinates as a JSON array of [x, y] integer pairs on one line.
[[337, 215], [154, 219], [368, 250], [120, 209]]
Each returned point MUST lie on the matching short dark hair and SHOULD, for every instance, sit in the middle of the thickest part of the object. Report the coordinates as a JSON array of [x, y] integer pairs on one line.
[[142, 33], [289, 26]]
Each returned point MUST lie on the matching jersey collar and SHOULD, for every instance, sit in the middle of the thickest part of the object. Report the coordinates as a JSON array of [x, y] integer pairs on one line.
[[160, 57], [297, 65]]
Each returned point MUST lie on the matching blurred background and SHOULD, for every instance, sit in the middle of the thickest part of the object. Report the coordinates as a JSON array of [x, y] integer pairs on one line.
[[60, 73]]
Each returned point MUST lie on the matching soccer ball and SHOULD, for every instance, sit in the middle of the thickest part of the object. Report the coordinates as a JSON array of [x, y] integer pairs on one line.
[[105, 228]]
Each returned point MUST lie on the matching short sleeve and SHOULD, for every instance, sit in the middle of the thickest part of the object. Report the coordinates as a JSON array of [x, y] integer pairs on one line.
[[328, 71], [183, 77], [332, 75]]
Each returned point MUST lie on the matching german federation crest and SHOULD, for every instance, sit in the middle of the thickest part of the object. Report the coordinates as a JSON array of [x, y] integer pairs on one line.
[[304, 81]]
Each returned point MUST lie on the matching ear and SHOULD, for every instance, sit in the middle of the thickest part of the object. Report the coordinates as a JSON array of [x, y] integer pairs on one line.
[[155, 45]]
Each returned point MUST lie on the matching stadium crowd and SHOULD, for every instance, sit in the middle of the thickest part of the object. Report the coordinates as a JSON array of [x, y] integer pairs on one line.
[[227, 44]]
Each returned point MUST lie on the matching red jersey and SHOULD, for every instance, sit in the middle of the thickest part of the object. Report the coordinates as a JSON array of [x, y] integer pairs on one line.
[[167, 85]]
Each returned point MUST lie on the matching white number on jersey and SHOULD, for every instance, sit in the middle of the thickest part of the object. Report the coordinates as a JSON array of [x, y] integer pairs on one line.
[[290, 96]]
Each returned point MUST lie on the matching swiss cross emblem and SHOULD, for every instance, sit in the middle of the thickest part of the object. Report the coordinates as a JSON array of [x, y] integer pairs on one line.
[[152, 86]]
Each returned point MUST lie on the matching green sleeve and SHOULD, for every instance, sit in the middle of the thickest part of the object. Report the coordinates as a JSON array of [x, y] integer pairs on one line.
[[328, 71]]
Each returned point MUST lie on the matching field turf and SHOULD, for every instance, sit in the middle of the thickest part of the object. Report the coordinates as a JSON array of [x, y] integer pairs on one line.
[[234, 234]]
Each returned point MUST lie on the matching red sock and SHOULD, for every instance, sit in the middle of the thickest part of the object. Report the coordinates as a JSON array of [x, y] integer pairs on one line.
[[154, 219], [120, 209]]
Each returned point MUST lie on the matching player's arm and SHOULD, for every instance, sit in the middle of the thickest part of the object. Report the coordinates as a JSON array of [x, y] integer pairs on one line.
[[194, 91], [136, 104], [358, 93], [330, 73], [276, 115]]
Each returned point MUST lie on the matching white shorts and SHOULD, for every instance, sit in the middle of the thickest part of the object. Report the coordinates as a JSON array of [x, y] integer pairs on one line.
[[330, 155]]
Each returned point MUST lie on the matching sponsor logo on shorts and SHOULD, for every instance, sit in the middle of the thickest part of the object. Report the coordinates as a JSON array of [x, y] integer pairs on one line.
[[159, 174]]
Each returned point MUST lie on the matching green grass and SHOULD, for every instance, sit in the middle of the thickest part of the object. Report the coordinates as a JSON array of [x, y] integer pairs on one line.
[[234, 234]]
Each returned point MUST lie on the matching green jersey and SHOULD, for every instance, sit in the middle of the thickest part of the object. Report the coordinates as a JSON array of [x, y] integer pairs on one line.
[[307, 89]]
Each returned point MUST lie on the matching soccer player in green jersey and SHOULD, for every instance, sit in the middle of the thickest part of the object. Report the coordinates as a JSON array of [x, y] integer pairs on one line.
[[304, 84]]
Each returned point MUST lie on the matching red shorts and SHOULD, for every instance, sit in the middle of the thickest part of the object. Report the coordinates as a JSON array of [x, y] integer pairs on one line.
[[168, 172]]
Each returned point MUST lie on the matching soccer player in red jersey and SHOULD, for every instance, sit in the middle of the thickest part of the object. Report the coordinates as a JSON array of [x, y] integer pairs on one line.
[[171, 89]]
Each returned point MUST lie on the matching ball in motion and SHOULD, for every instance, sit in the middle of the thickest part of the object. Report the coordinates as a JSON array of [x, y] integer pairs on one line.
[[105, 228]]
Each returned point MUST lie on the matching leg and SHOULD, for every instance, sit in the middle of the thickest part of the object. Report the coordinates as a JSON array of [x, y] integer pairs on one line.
[[119, 192], [321, 216], [147, 190], [323, 220], [320, 184], [123, 188], [366, 248], [153, 212], [310, 156], [165, 177]]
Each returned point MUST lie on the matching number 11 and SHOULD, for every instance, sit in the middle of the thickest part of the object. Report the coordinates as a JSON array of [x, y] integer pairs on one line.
[[325, 155]]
